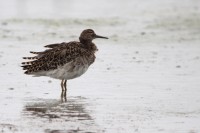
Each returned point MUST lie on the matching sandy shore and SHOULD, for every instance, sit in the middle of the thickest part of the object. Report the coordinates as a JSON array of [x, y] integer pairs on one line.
[[145, 78]]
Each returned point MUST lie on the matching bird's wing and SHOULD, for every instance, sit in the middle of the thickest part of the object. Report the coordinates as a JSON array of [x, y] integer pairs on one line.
[[55, 45], [52, 58]]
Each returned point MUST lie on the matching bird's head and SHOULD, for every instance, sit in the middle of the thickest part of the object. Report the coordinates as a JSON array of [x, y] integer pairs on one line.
[[88, 35]]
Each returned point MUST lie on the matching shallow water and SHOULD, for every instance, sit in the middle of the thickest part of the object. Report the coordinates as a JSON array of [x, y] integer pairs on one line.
[[145, 78]]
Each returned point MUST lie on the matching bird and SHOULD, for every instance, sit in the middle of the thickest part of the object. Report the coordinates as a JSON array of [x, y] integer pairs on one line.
[[64, 61]]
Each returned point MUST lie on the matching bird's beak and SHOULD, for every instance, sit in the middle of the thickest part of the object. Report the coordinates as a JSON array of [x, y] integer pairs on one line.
[[97, 36]]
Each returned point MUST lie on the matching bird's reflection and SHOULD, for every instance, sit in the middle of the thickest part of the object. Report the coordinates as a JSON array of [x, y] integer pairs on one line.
[[55, 116], [74, 108]]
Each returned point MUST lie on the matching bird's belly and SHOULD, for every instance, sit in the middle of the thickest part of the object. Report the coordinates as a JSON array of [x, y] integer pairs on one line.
[[68, 71], [76, 72]]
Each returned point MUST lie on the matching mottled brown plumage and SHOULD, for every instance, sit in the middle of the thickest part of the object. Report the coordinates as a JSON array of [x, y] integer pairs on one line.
[[58, 55], [64, 60]]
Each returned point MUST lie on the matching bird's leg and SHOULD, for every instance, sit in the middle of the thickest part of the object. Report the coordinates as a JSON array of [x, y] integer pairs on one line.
[[65, 85], [64, 89]]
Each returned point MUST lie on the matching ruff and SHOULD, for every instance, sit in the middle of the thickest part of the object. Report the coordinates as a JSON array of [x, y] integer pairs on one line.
[[64, 61]]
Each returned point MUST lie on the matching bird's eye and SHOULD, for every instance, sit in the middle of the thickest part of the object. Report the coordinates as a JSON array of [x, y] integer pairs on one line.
[[90, 31]]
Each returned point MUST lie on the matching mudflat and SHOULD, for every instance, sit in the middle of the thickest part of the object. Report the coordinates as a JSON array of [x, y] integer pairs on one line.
[[145, 78]]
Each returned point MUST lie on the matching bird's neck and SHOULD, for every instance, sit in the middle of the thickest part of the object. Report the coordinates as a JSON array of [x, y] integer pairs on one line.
[[88, 44]]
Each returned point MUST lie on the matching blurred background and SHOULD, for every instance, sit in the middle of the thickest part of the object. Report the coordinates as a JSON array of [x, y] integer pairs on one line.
[[145, 78]]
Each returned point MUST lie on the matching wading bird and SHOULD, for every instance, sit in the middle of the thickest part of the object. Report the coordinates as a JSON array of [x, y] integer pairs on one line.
[[64, 61]]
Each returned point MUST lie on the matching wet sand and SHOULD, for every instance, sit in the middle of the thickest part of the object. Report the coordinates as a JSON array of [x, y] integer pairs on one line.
[[145, 78]]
